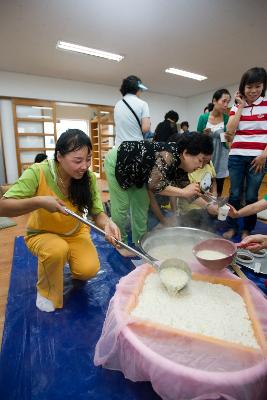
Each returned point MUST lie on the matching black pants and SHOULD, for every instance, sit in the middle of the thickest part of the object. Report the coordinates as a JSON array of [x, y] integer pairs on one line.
[[219, 182], [199, 218]]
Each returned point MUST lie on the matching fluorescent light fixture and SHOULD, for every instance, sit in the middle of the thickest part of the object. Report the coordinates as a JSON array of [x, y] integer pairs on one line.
[[86, 50], [72, 105], [39, 116], [186, 74], [42, 108]]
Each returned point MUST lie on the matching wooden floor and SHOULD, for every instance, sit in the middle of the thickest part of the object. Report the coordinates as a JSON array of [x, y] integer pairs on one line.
[[8, 235]]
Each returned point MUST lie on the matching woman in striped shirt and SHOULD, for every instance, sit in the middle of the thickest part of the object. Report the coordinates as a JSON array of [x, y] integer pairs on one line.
[[247, 130]]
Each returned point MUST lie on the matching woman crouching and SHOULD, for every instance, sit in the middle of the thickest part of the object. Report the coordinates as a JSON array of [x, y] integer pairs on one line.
[[43, 190]]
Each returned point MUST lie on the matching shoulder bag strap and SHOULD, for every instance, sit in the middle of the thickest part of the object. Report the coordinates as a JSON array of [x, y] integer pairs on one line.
[[130, 108]]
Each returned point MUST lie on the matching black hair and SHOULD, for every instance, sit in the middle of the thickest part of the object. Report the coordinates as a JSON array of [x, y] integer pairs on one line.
[[40, 157], [253, 75], [173, 115], [79, 190], [130, 85], [208, 107], [195, 143], [184, 123], [217, 96]]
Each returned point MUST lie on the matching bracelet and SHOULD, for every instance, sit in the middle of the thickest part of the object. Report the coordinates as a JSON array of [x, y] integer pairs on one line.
[[209, 204]]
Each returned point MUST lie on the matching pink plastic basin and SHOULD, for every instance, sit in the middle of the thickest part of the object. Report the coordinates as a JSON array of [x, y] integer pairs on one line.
[[180, 367]]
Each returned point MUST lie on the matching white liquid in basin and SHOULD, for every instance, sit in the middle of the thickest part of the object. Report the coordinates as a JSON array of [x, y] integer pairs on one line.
[[182, 251], [211, 255]]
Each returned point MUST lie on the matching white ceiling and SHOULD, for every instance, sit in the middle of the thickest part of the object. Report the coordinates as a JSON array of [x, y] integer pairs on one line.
[[216, 38]]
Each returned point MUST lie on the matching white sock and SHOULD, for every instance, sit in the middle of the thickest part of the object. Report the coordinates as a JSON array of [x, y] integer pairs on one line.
[[44, 304]]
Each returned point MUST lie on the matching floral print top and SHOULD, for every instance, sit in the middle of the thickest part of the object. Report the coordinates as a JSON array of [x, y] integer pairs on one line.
[[155, 164]]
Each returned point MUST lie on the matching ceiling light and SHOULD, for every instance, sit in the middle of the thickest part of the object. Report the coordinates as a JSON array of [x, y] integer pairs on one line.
[[86, 50], [186, 74], [42, 108], [39, 116], [71, 104]]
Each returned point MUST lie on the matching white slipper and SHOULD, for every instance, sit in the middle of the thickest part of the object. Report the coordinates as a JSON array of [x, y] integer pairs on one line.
[[44, 304]]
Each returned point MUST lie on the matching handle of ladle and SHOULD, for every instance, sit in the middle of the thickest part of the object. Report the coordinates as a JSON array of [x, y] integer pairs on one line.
[[122, 244]]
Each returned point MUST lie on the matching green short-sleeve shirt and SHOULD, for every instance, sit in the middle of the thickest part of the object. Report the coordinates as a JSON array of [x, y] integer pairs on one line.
[[27, 185]]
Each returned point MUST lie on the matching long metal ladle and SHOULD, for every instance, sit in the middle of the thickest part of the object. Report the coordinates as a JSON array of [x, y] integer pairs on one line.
[[149, 259], [172, 262], [205, 185]]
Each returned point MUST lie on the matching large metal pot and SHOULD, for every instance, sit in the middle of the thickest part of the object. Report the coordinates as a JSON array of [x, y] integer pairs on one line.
[[173, 242]]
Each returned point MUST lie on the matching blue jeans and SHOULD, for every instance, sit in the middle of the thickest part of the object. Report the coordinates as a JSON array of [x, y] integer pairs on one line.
[[239, 172], [153, 220]]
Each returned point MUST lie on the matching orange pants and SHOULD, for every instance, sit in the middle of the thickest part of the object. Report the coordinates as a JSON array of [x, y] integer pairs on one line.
[[53, 251]]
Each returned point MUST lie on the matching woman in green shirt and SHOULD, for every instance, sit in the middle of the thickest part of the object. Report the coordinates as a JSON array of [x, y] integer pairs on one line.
[[214, 123], [52, 235]]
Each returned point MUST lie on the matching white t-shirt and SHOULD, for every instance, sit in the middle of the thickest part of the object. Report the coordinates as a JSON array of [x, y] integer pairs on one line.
[[214, 128], [126, 125], [217, 127]]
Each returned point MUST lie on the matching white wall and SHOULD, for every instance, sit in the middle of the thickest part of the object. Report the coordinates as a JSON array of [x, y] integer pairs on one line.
[[38, 87], [2, 165], [8, 136], [195, 105], [62, 90], [73, 112], [160, 104]]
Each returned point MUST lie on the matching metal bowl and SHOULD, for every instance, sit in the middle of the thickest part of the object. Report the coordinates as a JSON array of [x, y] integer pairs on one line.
[[258, 253], [245, 257], [173, 242]]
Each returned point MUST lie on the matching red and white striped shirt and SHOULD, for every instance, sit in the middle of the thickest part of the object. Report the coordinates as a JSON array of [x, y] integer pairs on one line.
[[251, 134]]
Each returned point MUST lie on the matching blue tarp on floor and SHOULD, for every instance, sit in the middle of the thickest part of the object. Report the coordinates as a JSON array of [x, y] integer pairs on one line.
[[50, 356]]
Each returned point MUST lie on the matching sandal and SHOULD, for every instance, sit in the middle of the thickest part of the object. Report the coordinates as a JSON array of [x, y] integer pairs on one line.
[[244, 234], [229, 234]]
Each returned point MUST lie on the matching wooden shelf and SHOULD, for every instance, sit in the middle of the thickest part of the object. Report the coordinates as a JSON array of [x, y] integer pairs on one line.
[[26, 164], [38, 149], [99, 133], [34, 134], [34, 119], [29, 126], [109, 135], [107, 123]]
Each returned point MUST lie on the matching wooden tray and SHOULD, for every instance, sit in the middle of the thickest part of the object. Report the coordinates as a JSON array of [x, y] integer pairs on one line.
[[237, 285]]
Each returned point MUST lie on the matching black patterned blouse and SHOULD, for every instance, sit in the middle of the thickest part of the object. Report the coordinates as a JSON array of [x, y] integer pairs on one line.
[[155, 164]]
